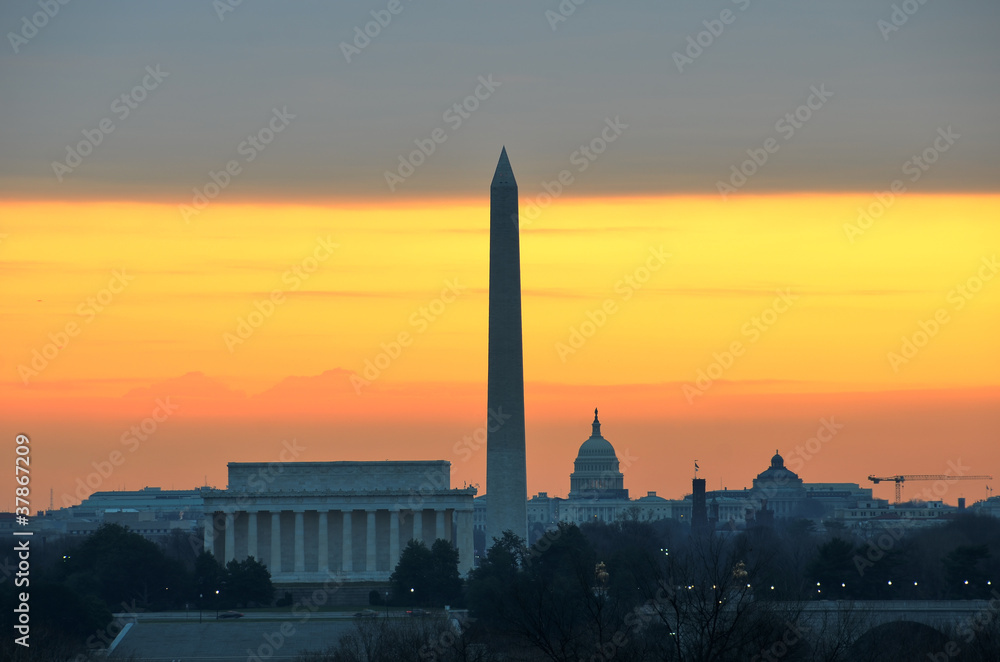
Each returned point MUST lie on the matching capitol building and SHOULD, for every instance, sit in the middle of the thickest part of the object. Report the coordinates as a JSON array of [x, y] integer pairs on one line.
[[597, 493], [597, 488]]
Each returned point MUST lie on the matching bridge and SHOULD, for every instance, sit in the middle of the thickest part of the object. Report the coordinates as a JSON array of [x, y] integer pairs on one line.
[[956, 620], [939, 614]]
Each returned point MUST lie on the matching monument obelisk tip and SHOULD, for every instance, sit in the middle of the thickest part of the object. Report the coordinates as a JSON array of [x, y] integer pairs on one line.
[[503, 177]]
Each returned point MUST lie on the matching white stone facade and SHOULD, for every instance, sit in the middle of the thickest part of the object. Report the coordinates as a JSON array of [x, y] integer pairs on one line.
[[307, 521]]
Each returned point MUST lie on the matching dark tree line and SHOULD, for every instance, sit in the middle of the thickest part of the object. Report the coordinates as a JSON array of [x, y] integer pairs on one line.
[[956, 560], [638, 591], [115, 570]]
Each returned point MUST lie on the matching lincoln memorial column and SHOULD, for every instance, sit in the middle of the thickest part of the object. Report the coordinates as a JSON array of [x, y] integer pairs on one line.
[[209, 521], [465, 540], [348, 555], [438, 524], [300, 542], [370, 543], [230, 553], [418, 525], [275, 542], [393, 539], [324, 541], [252, 534]]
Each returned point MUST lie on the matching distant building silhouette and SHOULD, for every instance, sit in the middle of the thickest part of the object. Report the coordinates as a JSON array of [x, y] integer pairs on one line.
[[780, 488], [699, 509]]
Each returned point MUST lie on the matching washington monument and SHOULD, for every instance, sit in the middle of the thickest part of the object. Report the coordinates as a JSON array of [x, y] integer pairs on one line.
[[506, 473]]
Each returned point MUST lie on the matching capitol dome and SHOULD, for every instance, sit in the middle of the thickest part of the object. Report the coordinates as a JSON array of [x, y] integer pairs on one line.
[[597, 447], [596, 471]]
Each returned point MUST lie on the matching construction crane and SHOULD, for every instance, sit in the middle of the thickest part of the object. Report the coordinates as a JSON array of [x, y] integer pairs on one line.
[[899, 480]]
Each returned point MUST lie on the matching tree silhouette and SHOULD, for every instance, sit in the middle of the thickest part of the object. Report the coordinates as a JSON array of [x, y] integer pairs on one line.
[[965, 573], [209, 577], [120, 566], [432, 574], [411, 579], [445, 580], [833, 569], [248, 582]]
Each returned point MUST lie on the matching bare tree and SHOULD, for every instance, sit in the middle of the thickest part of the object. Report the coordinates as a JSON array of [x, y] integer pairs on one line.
[[425, 639]]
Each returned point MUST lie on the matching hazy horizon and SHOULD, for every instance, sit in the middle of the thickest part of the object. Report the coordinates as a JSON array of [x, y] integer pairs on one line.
[[737, 220]]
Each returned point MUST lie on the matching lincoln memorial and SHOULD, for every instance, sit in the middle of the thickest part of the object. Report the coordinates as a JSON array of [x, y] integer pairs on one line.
[[307, 521]]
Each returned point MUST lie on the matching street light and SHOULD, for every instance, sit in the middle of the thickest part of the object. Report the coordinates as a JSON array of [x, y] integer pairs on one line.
[[216, 604]]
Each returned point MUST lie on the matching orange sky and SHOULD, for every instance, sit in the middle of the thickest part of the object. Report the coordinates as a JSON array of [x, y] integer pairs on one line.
[[258, 322]]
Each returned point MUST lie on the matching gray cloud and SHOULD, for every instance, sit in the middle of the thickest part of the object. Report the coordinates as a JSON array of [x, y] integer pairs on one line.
[[353, 120]]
